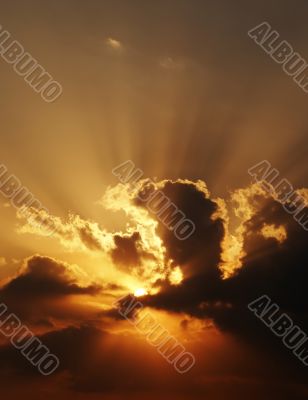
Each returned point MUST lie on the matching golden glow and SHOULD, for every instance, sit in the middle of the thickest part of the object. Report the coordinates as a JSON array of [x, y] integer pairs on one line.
[[140, 292], [232, 244], [276, 232], [176, 276], [244, 208]]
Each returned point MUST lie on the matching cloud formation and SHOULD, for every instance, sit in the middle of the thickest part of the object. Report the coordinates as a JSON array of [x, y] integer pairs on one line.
[[220, 269]]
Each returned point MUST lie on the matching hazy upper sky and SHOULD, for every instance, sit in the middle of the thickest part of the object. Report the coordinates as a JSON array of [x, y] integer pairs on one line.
[[188, 94]]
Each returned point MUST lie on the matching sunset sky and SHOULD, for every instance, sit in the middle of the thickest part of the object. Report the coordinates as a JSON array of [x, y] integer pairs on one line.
[[178, 88]]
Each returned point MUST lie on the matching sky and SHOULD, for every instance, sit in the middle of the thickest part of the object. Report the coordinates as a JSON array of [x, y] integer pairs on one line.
[[177, 90]]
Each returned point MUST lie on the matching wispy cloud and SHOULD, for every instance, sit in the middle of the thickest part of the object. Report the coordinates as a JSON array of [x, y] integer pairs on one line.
[[114, 44], [171, 64]]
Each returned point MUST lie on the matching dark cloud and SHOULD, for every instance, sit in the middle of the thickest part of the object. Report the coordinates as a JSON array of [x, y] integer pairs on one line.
[[278, 269], [126, 251], [38, 294], [88, 238], [44, 277], [200, 254]]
